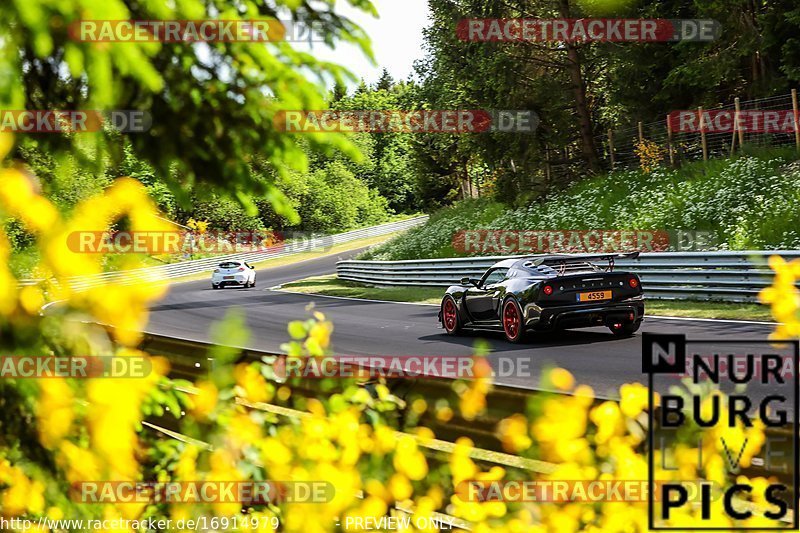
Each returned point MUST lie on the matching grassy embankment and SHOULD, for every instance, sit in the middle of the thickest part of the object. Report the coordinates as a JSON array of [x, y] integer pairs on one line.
[[751, 202]]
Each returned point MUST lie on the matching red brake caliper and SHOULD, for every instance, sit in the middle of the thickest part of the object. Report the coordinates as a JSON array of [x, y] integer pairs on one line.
[[511, 319], [449, 315]]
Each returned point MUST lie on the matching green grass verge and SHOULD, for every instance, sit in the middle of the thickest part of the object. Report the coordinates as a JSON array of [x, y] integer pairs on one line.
[[689, 309], [332, 286]]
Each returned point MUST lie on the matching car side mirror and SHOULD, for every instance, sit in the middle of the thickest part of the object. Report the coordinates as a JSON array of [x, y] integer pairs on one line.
[[470, 281], [465, 281]]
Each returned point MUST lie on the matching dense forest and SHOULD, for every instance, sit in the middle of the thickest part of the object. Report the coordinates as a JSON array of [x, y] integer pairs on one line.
[[578, 90]]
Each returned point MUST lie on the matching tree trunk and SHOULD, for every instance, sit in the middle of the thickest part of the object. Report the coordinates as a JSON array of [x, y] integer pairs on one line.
[[579, 92], [469, 180], [463, 180]]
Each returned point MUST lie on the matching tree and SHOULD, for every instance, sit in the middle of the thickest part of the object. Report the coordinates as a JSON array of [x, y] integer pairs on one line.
[[573, 67], [338, 92], [392, 171], [474, 75], [210, 111], [385, 82], [362, 87]]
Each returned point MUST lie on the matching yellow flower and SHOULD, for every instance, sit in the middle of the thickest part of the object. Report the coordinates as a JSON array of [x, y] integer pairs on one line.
[[8, 284], [784, 297], [409, 460], [31, 299], [187, 462], [400, 487], [633, 399], [23, 495], [514, 434], [242, 431], [561, 379], [80, 463], [462, 467], [472, 400], [20, 199], [319, 338], [223, 469], [608, 419], [205, 401], [114, 415], [650, 155], [273, 451], [6, 143], [54, 411], [251, 385], [384, 440], [444, 413]]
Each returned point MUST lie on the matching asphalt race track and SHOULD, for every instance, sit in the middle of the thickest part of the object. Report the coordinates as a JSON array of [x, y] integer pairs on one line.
[[593, 355]]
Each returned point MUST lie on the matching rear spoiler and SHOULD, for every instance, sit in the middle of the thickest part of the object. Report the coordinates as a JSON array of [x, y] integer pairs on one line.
[[563, 260]]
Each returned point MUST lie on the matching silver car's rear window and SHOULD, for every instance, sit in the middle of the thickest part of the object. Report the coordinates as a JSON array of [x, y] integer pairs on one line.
[[229, 264]]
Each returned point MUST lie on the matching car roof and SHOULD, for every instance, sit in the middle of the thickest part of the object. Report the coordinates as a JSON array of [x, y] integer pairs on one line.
[[507, 263], [536, 266], [531, 264], [239, 261], [532, 261]]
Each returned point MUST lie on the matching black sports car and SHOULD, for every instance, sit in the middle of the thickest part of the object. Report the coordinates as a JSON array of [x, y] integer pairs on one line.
[[541, 293]]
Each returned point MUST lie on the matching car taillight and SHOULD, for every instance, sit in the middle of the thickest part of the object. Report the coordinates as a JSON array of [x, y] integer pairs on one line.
[[633, 282], [548, 290], [241, 269]]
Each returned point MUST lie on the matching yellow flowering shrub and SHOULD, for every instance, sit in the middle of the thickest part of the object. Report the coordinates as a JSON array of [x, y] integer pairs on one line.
[[650, 155], [369, 448], [783, 297]]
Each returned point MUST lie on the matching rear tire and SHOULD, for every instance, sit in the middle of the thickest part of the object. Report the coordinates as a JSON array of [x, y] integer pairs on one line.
[[215, 287], [450, 319], [625, 330], [511, 319]]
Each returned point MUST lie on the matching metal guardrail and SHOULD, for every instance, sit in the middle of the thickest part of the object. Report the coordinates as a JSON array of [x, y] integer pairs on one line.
[[728, 276], [192, 360], [185, 268]]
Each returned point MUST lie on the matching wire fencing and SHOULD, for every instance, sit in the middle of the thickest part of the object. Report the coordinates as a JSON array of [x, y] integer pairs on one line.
[[696, 134]]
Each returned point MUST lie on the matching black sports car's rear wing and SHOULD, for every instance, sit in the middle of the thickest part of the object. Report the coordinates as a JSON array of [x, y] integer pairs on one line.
[[563, 260]]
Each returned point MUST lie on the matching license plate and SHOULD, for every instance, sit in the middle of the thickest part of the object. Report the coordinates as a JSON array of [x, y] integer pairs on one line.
[[596, 296], [227, 277]]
